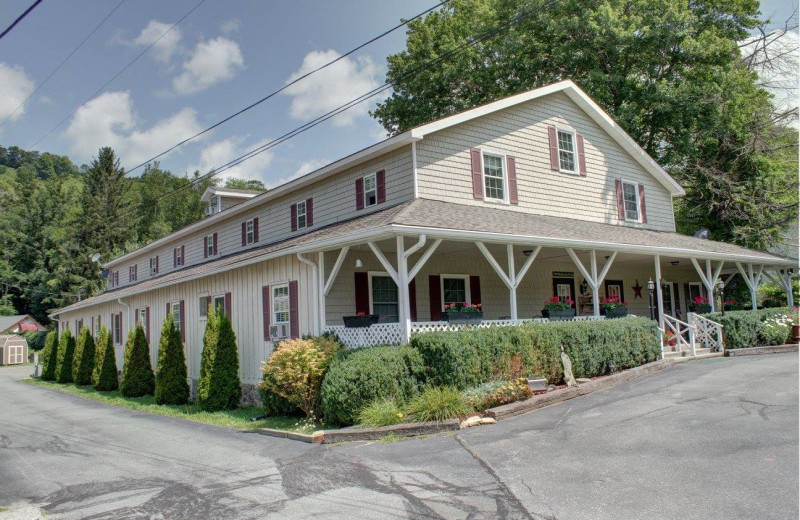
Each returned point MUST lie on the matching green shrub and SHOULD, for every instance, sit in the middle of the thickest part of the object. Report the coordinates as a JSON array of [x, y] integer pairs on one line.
[[296, 369], [171, 377], [50, 357], [137, 372], [274, 404], [438, 404], [776, 330], [104, 376], [468, 358], [383, 411], [66, 351], [35, 339], [83, 359], [496, 393], [744, 329], [219, 387], [360, 376]]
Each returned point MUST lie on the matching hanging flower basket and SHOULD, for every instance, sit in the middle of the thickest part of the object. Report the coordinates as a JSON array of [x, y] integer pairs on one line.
[[360, 321]]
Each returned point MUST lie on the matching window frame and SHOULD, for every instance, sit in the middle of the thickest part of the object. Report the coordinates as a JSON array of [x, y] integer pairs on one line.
[[297, 214], [143, 318], [700, 291], [175, 309], [133, 273], [203, 313], [574, 136], [374, 178], [178, 252], [504, 169], [96, 326], [214, 299], [153, 265], [210, 245], [249, 232], [467, 291], [382, 274], [635, 185], [214, 204], [116, 328], [274, 299]]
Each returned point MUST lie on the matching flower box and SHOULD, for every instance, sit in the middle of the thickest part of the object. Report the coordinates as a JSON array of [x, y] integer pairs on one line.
[[701, 308], [617, 312], [354, 322], [563, 314], [461, 318]]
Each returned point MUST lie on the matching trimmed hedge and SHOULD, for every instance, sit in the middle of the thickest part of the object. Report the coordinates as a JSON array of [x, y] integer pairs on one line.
[[83, 360], [104, 376], [744, 329], [358, 377], [468, 358], [50, 357], [66, 351], [137, 372], [171, 377]]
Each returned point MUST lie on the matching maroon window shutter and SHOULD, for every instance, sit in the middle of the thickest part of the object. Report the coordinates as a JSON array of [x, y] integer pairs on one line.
[[157, 264], [244, 233], [362, 292], [475, 290], [265, 310], [205, 247], [477, 173], [121, 328], [581, 157], [183, 255], [293, 216], [412, 300], [294, 315], [228, 306], [642, 206], [215, 243], [360, 193], [255, 229], [147, 320], [309, 212], [620, 202], [513, 196], [183, 322], [435, 293], [93, 322], [554, 163], [380, 183], [167, 309], [136, 316], [175, 257]]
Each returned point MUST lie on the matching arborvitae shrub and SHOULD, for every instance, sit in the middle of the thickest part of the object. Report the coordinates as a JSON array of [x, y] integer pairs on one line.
[[171, 384], [137, 373], [83, 360], [50, 357], [66, 351], [104, 377], [219, 387]]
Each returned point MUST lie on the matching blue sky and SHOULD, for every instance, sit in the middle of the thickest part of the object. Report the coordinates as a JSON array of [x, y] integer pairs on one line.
[[223, 56]]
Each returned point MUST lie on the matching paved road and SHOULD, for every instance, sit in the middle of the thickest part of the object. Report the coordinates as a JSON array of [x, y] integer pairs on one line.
[[706, 439]]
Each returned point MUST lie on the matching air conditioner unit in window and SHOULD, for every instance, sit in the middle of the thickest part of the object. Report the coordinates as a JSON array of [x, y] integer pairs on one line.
[[279, 331]]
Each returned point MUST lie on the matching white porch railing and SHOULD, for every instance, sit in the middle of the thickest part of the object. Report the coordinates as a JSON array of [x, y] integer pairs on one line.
[[708, 333], [682, 332]]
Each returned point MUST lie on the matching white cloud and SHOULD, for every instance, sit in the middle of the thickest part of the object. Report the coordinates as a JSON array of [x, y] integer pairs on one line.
[[46, 100], [211, 62], [110, 120], [221, 152], [331, 87], [230, 26], [166, 47], [16, 87]]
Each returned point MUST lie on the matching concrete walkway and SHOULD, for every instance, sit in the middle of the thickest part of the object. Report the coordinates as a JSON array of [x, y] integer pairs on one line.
[[706, 439]]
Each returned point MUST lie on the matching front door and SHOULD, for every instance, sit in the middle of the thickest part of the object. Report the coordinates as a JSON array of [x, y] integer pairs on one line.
[[564, 288]]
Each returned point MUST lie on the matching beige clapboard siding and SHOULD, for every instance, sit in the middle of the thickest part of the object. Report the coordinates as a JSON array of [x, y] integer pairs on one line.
[[334, 201], [244, 284], [521, 131]]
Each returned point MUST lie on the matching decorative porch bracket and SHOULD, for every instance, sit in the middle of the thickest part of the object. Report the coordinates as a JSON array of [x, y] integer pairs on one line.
[[592, 278], [403, 278], [324, 286], [709, 280], [784, 280], [384, 262], [514, 277], [752, 280]]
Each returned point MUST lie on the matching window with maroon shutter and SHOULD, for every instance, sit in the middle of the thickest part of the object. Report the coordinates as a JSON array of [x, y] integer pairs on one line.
[[293, 216], [294, 312], [632, 196], [642, 206], [266, 310], [175, 257], [147, 323], [511, 166], [183, 322], [205, 247], [244, 233], [412, 300], [215, 243], [360, 193], [255, 229], [309, 212], [248, 232], [228, 306], [380, 181], [477, 173], [553, 144], [435, 296], [361, 290], [475, 290], [620, 203], [581, 156]]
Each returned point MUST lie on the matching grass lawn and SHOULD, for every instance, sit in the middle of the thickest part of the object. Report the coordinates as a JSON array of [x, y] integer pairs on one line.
[[238, 419]]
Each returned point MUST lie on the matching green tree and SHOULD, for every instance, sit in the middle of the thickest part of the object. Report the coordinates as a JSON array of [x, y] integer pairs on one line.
[[171, 385], [137, 373], [245, 184], [104, 376], [66, 351], [83, 360], [219, 387], [50, 356]]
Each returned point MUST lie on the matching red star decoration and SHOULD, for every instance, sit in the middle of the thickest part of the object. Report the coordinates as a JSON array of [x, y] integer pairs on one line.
[[637, 290]]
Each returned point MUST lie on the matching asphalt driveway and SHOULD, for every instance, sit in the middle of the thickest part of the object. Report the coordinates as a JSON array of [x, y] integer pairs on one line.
[[705, 439]]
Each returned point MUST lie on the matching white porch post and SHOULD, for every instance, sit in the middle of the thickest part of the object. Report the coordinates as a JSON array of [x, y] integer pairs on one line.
[[595, 286], [323, 322], [514, 277], [402, 290], [593, 279], [659, 296], [783, 278], [708, 278]]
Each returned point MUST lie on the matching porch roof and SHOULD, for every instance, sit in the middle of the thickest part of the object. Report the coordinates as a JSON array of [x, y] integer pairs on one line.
[[458, 222]]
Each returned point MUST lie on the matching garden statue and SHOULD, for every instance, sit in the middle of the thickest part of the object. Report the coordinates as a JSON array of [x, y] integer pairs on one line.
[[568, 377]]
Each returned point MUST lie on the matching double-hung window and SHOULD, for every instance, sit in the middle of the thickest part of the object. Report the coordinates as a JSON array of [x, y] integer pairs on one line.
[[96, 324], [494, 177], [370, 190], [175, 308], [630, 198], [132, 272], [210, 245], [383, 292], [143, 318], [280, 305], [116, 326], [301, 215], [566, 152], [455, 289], [178, 255], [213, 204], [219, 304], [154, 266], [250, 233]]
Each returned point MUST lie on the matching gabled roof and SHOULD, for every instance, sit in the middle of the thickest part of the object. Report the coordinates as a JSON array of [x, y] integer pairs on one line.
[[8, 322]]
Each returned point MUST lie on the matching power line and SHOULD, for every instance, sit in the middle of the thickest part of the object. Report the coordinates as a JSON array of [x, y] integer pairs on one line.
[[62, 63], [20, 17], [274, 93], [115, 76]]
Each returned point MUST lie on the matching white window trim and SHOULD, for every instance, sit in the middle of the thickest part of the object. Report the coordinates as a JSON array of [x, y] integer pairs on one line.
[[133, 273], [304, 202], [250, 232], [177, 305], [635, 185], [214, 201], [97, 327], [143, 318], [114, 317], [216, 296], [199, 310], [503, 165], [210, 245], [153, 265], [574, 152], [272, 301], [178, 252], [370, 274], [464, 277], [699, 291], [374, 176]]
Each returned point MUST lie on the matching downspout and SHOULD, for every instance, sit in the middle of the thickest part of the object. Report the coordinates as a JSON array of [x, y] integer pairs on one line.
[[315, 284], [414, 168]]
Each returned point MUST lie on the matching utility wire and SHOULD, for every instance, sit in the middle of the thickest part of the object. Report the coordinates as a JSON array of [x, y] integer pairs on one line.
[[63, 62], [20, 17], [276, 92], [115, 76]]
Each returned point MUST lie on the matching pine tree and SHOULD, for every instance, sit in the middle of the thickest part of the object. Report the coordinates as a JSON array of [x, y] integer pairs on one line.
[[104, 377], [171, 385], [50, 356], [137, 373], [219, 387], [83, 360], [66, 351]]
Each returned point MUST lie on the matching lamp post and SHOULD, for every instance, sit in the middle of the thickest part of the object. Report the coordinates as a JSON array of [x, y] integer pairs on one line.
[[721, 290], [651, 286]]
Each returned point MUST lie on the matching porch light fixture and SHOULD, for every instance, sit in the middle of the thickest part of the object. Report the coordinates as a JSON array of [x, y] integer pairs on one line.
[[674, 263], [651, 286], [527, 252], [721, 290], [359, 263]]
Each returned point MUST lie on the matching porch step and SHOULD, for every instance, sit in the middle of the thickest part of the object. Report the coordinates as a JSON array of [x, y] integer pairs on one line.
[[685, 353]]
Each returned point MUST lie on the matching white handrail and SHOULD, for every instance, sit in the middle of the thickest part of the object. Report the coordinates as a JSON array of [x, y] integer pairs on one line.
[[709, 332], [678, 329]]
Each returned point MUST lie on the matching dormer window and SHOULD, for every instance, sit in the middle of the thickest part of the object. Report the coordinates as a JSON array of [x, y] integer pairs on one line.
[[213, 204]]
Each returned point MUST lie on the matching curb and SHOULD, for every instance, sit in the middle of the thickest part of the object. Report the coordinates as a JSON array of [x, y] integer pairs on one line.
[[365, 434], [314, 438], [758, 351]]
